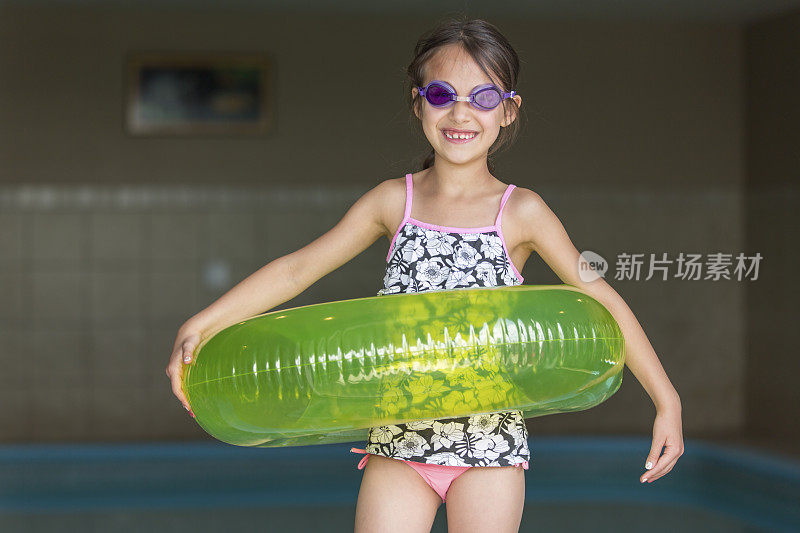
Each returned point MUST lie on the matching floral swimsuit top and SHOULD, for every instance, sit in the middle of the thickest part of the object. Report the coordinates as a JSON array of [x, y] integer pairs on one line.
[[425, 257]]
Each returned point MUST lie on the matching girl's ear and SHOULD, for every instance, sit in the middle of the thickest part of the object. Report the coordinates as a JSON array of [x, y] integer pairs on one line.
[[511, 112], [414, 93]]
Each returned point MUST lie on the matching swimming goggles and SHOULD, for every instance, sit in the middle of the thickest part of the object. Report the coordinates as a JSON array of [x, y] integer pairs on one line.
[[483, 97]]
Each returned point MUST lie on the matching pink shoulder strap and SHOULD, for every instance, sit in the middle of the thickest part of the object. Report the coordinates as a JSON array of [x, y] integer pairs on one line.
[[409, 196], [406, 215], [503, 203]]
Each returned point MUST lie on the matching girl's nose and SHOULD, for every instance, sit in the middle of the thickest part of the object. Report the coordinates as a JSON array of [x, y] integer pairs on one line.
[[460, 109]]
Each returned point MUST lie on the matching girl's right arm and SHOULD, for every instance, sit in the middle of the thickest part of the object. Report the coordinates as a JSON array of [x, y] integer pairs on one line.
[[284, 278]]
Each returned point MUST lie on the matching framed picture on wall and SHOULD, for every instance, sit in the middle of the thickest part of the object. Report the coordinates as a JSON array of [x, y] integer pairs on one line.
[[198, 93]]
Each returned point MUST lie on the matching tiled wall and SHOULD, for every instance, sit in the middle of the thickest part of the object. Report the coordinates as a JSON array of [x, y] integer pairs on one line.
[[94, 283]]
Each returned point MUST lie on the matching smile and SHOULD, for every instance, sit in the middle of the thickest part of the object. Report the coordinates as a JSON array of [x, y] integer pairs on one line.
[[458, 138]]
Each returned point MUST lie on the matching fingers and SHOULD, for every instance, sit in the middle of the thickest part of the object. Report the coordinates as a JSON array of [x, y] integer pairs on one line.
[[663, 464], [175, 372], [185, 352], [652, 458], [187, 347], [178, 392]]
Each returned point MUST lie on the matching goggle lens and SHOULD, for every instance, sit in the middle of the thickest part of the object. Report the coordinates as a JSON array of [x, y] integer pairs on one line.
[[488, 98], [438, 95]]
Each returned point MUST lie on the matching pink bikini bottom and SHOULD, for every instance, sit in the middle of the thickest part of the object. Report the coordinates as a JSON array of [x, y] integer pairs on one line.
[[438, 477]]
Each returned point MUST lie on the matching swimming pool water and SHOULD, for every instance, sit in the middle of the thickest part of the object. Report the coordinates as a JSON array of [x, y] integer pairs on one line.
[[574, 484]]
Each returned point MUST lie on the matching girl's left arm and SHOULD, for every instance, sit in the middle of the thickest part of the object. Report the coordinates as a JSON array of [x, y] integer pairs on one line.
[[542, 231]]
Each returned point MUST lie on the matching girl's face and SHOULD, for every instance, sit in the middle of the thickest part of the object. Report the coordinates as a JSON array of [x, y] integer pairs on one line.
[[453, 65]]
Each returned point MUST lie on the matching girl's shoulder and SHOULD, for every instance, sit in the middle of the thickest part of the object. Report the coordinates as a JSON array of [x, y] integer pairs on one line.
[[392, 192], [388, 191], [390, 197], [529, 218], [523, 203], [523, 213]]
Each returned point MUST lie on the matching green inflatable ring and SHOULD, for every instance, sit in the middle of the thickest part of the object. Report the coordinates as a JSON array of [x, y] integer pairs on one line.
[[326, 373]]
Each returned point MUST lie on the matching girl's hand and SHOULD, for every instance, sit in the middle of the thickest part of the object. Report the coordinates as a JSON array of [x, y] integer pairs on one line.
[[667, 432], [185, 344]]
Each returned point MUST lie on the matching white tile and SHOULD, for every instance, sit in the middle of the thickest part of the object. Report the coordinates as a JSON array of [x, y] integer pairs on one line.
[[60, 296], [12, 236], [59, 358], [59, 240], [116, 356], [116, 239], [116, 296]]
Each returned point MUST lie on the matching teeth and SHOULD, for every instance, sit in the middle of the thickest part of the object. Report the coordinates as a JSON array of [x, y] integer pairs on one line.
[[459, 135]]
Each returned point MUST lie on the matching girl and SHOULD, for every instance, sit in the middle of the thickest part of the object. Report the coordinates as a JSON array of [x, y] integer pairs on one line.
[[452, 225]]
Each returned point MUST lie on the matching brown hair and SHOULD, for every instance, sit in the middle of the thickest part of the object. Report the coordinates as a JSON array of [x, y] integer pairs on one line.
[[489, 49]]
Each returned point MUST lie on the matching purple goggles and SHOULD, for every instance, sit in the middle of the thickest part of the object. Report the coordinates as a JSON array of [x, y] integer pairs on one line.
[[484, 97]]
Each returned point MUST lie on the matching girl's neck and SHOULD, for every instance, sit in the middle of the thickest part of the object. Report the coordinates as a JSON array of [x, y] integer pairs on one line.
[[453, 181]]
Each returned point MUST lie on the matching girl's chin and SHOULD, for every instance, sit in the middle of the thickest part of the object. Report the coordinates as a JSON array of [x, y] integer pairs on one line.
[[467, 147]]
